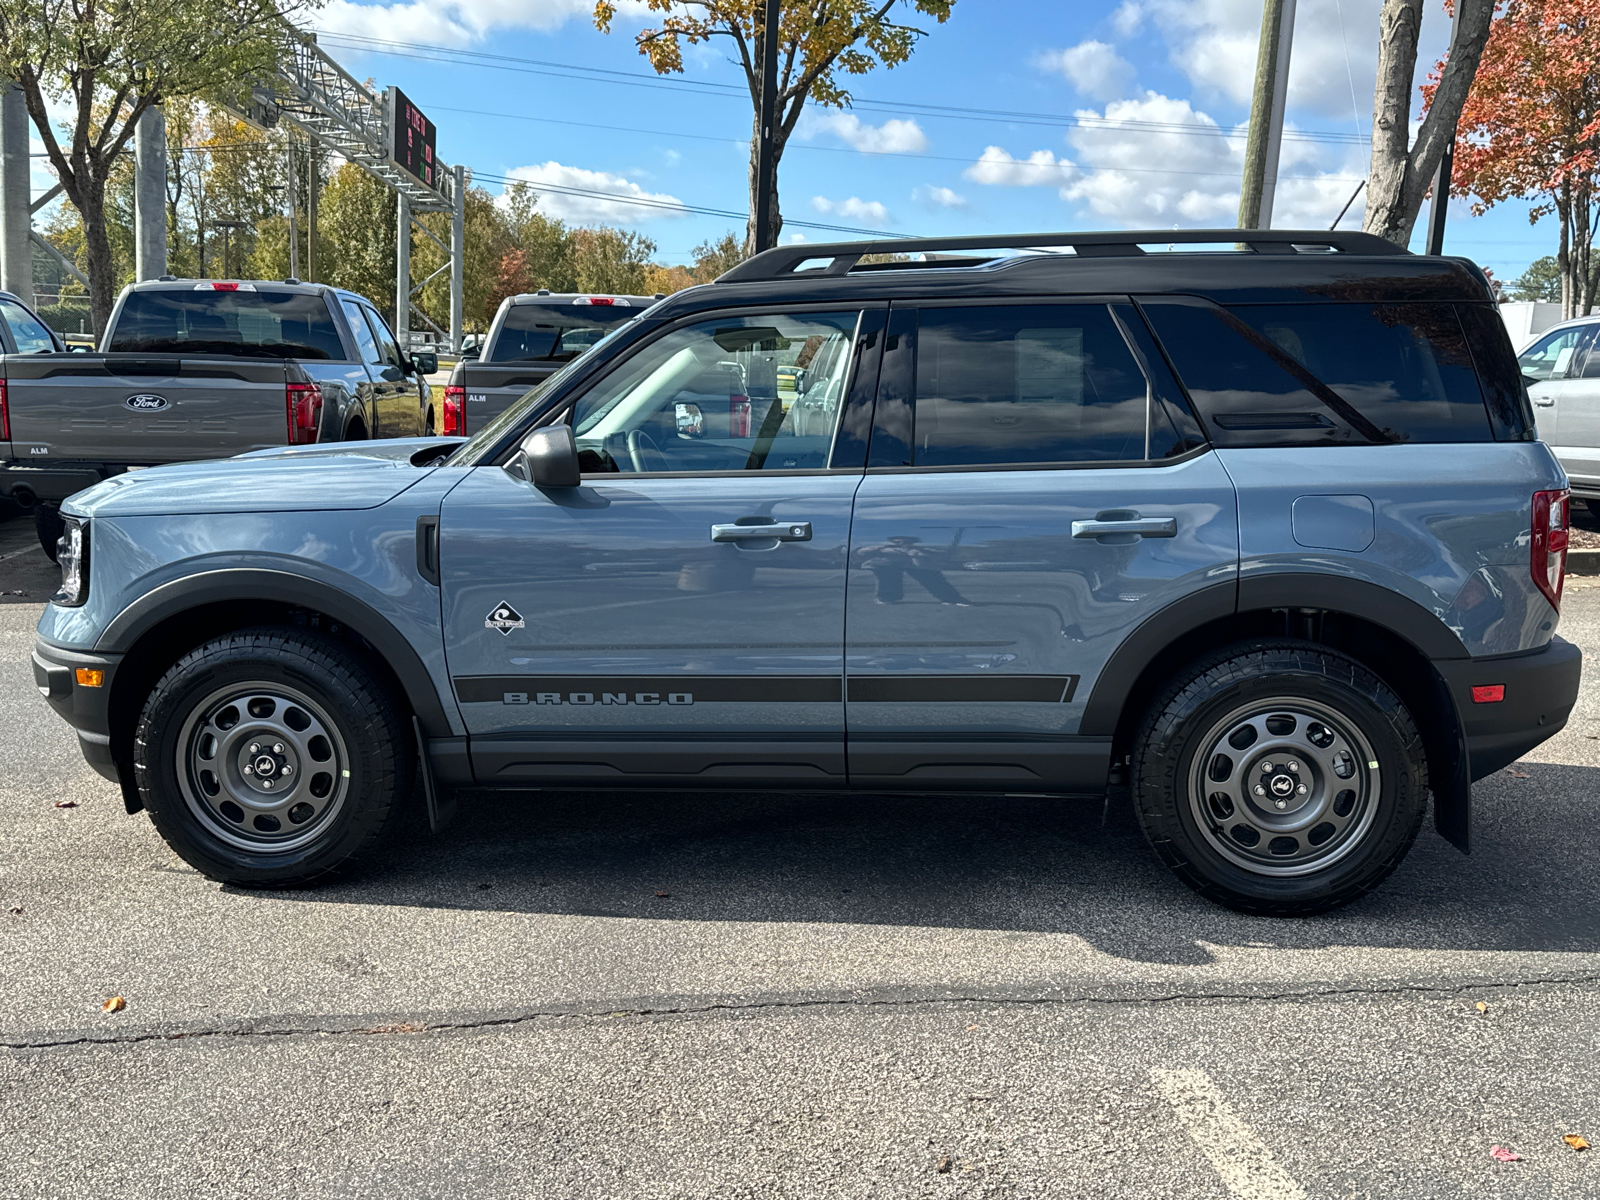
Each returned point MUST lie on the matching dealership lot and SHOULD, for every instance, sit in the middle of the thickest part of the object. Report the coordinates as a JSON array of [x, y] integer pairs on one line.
[[793, 996]]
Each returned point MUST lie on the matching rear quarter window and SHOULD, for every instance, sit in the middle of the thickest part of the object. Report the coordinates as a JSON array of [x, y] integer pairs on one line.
[[1307, 374]]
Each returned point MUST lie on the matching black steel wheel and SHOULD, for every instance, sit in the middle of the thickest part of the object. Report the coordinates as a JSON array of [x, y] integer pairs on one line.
[[271, 758], [1280, 778]]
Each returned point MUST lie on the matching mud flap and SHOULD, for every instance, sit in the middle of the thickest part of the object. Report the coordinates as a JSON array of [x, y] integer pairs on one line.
[[1449, 771], [441, 805]]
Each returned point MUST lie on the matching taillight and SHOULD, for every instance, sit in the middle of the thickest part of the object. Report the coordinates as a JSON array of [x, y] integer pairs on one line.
[[303, 406], [738, 416], [1548, 546], [5, 415], [455, 412]]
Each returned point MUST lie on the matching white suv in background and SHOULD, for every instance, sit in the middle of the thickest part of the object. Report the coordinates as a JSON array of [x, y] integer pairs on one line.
[[1562, 370]]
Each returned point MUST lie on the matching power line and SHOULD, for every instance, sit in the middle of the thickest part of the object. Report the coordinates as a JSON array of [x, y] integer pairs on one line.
[[534, 66]]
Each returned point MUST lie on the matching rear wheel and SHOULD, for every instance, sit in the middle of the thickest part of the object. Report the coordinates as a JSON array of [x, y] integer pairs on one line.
[[271, 758], [1280, 778]]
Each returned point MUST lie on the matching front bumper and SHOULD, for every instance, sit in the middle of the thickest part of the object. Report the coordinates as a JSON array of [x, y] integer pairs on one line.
[[86, 709], [1540, 689]]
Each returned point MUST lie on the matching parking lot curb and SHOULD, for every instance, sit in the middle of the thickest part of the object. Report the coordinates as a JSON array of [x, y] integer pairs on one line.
[[1583, 562]]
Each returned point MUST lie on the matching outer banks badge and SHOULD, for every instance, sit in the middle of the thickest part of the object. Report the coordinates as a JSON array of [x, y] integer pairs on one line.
[[504, 618]]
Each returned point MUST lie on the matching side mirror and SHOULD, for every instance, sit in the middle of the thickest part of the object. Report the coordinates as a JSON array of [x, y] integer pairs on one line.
[[549, 458], [425, 362]]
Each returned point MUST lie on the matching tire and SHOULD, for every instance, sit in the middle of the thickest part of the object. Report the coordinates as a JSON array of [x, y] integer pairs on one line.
[[1294, 745], [1585, 515], [221, 725], [49, 525]]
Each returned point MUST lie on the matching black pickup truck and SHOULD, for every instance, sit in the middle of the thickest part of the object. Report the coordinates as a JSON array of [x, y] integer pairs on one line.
[[193, 369], [532, 337]]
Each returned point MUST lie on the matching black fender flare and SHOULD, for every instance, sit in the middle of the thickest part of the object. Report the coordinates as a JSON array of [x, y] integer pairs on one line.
[[256, 583]]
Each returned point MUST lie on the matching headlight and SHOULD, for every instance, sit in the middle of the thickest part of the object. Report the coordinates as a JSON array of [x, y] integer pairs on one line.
[[72, 555]]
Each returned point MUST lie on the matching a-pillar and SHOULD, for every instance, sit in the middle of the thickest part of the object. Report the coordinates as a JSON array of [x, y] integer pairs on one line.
[[402, 273], [150, 195], [16, 195]]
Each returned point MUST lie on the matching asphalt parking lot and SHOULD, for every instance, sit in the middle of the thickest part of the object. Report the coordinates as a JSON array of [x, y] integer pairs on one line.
[[765, 995]]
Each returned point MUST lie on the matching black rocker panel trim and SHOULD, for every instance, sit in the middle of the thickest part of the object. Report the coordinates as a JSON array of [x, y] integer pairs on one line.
[[254, 583], [500, 761], [1070, 765], [962, 689]]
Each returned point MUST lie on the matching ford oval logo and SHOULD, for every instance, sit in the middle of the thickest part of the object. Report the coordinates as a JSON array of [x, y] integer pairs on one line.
[[146, 403]]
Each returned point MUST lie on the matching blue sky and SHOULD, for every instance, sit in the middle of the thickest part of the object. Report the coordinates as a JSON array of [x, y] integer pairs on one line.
[[892, 162]]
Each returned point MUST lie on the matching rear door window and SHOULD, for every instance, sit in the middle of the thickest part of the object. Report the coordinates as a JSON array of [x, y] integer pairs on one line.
[[27, 331], [366, 344], [554, 332], [1297, 374], [246, 323]]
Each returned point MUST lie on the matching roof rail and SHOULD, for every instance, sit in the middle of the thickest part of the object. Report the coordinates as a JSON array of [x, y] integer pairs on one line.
[[771, 264]]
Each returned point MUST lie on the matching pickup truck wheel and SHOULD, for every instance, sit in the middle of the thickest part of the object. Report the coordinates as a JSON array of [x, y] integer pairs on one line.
[[1280, 778], [47, 522], [271, 758]]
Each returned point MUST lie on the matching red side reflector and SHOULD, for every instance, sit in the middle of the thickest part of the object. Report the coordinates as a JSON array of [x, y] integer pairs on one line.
[[1492, 694]]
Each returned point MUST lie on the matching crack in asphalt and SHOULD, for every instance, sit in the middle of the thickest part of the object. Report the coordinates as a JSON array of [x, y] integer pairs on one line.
[[491, 1022]]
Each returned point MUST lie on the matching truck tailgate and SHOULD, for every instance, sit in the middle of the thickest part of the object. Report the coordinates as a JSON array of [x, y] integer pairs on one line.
[[492, 387], [143, 409]]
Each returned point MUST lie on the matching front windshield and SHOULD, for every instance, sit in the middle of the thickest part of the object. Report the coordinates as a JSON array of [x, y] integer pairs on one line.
[[471, 451]]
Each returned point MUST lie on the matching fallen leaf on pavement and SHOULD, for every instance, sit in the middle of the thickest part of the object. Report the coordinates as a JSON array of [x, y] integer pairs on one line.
[[944, 1165], [66, 804], [663, 895], [1577, 1141], [1482, 1007], [1516, 774], [17, 912], [970, 1028], [115, 1004], [1501, 1154]]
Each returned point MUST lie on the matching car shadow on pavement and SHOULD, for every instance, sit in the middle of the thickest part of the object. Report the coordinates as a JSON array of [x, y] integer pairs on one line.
[[1013, 863]]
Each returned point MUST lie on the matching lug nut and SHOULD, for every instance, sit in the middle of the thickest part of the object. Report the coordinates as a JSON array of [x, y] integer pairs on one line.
[[1299, 791], [267, 783], [248, 769], [1266, 768], [1260, 791], [1281, 803], [288, 770], [1294, 766], [255, 747], [277, 748]]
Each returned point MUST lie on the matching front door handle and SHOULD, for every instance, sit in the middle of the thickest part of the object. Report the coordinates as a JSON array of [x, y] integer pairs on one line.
[[1545, 401], [783, 531], [1140, 526]]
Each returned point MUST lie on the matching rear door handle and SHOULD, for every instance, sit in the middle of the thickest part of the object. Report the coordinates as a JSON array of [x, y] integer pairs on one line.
[[1142, 526], [783, 531]]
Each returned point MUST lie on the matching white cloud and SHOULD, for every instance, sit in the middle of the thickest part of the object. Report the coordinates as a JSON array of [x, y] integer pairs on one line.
[[855, 208], [939, 197], [894, 136], [996, 168], [1128, 18], [592, 209], [1094, 68], [454, 23]]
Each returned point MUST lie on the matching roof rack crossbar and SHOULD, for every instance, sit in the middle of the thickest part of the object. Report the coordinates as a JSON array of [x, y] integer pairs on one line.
[[844, 256]]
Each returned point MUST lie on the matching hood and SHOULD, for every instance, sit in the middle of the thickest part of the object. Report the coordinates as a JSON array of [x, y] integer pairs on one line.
[[343, 475]]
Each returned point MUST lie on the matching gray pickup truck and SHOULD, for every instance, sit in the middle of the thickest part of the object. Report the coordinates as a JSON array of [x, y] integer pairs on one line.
[[196, 369], [533, 336]]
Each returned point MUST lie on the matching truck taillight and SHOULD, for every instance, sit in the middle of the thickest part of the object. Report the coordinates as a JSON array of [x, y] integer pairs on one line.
[[738, 416], [455, 412], [1548, 546], [5, 415], [303, 405]]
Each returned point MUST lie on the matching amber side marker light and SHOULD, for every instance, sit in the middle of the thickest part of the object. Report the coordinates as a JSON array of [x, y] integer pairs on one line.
[[92, 677], [1492, 694]]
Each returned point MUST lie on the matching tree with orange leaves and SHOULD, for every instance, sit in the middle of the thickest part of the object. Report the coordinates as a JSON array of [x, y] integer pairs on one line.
[[1531, 128]]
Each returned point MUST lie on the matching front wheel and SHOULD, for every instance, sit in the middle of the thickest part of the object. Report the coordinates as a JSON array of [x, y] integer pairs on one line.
[[1280, 778], [271, 758]]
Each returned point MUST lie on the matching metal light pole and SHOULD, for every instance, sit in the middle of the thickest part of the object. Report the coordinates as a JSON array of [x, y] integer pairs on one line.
[[227, 227], [458, 245], [402, 272], [1439, 208], [1267, 103], [768, 119], [294, 227], [150, 195], [16, 194]]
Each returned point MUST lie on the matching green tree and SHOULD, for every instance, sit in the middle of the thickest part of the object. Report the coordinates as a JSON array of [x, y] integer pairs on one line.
[[817, 39], [108, 61], [1541, 281], [712, 259], [356, 240], [609, 260]]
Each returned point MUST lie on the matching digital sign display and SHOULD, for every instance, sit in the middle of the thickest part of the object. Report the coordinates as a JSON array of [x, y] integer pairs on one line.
[[415, 139]]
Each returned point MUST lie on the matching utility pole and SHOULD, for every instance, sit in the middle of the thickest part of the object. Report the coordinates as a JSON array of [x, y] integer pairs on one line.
[[313, 186], [16, 195], [1267, 103], [402, 273], [227, 226], [150, 195], [458, 246], [294, 227], [1439, 208], [767, 120]]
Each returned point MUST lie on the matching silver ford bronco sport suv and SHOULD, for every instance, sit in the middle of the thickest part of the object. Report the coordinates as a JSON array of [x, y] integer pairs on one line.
[[1259, 530]]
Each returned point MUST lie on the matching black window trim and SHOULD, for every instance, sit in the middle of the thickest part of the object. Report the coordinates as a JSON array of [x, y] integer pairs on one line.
[[1108, 301], [561, 411]]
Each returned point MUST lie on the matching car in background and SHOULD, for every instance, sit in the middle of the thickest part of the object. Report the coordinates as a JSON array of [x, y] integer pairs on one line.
[[1562, 372], [532, 337]]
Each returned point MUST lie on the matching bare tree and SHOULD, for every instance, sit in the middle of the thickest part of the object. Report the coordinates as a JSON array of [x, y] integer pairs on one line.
[[1402, 171]]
